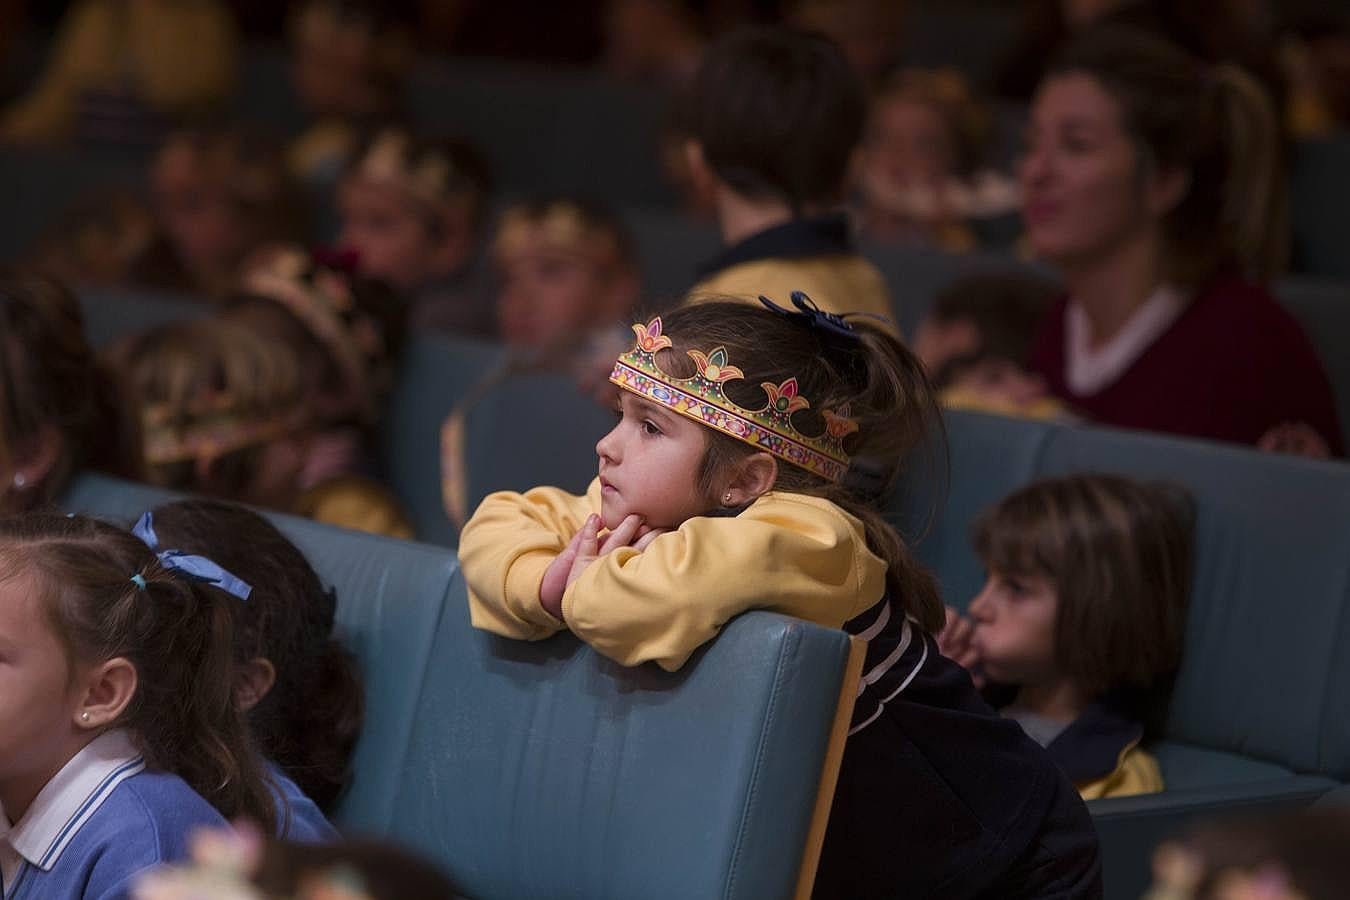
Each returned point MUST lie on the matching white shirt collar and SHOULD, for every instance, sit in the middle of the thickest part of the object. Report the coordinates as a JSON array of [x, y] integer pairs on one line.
[[66, 802], [1090, 369]]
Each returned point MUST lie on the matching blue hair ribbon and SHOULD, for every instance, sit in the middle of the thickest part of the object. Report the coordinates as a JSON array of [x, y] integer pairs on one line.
[[198, 568], [811, 315]]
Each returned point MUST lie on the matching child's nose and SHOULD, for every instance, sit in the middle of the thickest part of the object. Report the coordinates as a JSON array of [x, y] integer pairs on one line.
[[981, 608], [607, 447]]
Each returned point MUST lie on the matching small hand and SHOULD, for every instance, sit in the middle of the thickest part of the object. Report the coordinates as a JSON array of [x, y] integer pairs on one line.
[[955, 641], [555, 578]]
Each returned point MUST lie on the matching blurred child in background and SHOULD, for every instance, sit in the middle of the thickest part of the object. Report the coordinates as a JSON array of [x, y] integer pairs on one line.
[[566, 267], [774, 116], [349, 59], [346, 332], [920, 177], [1081, 620], [976, 344], [218, 195], [414, 213], [59, 409]]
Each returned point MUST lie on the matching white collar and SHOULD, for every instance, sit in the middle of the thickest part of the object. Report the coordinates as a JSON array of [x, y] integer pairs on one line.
[[1089, 369], [66, 803]]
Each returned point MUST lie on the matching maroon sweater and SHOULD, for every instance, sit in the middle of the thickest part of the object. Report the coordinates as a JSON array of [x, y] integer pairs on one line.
[[1231, 367]]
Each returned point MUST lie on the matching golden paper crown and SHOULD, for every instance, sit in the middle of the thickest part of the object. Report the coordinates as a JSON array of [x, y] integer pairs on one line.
[[703, 399]]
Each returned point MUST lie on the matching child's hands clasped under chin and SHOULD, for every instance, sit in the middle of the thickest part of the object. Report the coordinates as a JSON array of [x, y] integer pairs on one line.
[[586, 547]]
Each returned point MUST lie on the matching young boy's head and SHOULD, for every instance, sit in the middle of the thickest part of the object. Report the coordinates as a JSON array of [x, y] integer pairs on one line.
[[565, 266], [349, 58], [982, 322], [219, 193], [1088, 580], [413, 210], [774, 115]]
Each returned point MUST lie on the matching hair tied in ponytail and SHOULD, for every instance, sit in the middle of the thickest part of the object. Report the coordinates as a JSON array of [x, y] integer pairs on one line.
[[812, 316], [139, 580], [198, 568]]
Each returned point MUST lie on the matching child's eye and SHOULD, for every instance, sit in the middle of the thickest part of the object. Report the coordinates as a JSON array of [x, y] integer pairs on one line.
[[649, 427]]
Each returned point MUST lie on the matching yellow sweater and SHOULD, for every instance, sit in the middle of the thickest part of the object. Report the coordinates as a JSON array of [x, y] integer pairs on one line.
[[1137, 773], [178, 54], [839, 283], [794, 554]]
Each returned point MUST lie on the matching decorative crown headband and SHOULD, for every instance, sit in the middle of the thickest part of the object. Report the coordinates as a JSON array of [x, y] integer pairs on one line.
[[320, 296], [703, 399], [216, 427], [429, 178]]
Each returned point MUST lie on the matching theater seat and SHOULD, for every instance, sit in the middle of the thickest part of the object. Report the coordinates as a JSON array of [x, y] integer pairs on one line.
[[545, 770]]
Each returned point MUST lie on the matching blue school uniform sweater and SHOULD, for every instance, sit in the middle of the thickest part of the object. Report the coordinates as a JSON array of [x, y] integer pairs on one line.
[[101, 821], [298, 817]]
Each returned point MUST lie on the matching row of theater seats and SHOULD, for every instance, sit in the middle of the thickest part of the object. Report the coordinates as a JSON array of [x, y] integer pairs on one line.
[[530, 770], [1259, 717]]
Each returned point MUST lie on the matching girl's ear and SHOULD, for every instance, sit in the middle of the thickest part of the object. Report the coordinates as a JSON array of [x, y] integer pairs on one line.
[[754, 475], [36, 457], [107, 690], [255, 679]]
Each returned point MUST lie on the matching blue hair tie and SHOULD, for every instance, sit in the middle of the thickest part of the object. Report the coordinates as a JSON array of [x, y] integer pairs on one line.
[[812, 316], [139, 580], [198, 568]]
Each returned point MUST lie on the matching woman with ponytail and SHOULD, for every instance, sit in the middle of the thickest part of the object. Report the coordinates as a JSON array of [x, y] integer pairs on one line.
[[118, 728], [1155, 184], [299, 689]]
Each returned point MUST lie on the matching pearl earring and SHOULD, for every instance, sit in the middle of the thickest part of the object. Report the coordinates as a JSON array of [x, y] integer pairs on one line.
[[726, 499], [20, 480], [84, 717]]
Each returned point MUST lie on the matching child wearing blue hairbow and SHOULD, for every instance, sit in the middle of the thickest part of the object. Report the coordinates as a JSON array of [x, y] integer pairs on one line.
[[299, 688], [753, 450], [119, 735]]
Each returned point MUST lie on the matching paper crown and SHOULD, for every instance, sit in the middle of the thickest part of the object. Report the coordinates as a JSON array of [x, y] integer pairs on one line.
[[214, 428], [429, 177], [321, 297], [703, 399]]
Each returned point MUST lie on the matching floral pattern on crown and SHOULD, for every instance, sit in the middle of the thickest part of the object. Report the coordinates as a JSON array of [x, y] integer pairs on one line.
[[703, 399]]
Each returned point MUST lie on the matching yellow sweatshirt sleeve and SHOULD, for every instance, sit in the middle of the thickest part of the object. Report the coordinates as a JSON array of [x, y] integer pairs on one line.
[[1136, 773], [504, 550], [789, 553]]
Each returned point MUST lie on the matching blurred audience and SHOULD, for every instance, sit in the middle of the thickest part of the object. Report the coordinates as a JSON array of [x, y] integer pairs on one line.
[[349, 62], [1294, 855], [658, 42], [123, 71], [346, 333], [414, 213], [60, 411], [869, 32], [1316, 57], [218, 194], [921, 177], [1152, 182], [566, 267], [976, 344]]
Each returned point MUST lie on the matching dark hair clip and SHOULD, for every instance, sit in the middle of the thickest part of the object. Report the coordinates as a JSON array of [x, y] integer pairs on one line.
[[813, 316], [340, 259]]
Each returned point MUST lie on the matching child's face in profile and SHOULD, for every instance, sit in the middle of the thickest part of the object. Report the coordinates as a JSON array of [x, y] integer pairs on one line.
[[1014, 636], [649, 465], [38, 697], [393, 239], [548, 293]]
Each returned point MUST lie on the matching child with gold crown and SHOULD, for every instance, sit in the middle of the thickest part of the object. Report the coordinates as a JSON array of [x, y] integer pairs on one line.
[[753, 447]]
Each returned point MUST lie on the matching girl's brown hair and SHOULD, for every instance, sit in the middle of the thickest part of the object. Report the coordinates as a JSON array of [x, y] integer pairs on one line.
[[1119, 554], [176, 633], [884, 386], [309, 721], [946, 92], [49, 377], [188, 377], [1214, 123]]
